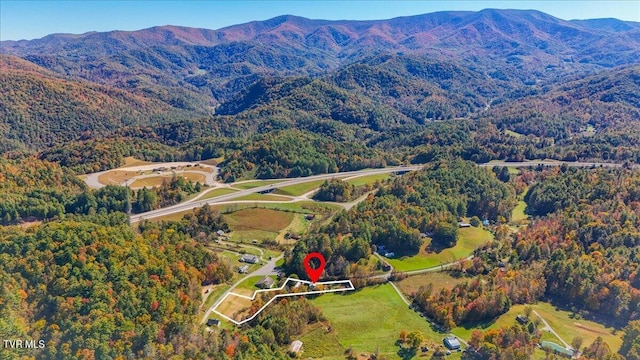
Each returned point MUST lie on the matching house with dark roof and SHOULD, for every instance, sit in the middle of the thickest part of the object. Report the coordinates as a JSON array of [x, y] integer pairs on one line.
[[248, 258], [452, 343], [213, 323], [265, 283], [522, 319], [243, 269]]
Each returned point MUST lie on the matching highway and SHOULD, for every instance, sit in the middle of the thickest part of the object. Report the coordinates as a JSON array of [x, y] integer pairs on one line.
[[286, 182]]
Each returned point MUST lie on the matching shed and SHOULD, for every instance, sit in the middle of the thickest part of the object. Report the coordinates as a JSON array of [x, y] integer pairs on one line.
[[265, 283], [452, 343], [296, 346], [464, 225]]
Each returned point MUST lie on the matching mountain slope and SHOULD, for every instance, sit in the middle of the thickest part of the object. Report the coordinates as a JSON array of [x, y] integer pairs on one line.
[[609, 99], [39, 108]]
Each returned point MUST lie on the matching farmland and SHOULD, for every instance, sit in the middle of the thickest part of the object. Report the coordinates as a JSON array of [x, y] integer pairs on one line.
[[352, 317], [469, 239]]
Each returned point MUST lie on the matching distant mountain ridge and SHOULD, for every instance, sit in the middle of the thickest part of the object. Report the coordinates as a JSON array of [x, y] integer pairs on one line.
[[375, 74], [211, 65]]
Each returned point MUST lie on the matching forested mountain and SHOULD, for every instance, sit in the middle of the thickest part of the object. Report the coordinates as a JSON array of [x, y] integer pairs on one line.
[[605, 101], [344, 79], [206, 66], [39, 108]]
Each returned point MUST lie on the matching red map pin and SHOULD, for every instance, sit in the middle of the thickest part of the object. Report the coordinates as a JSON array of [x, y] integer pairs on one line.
[[314, 274]]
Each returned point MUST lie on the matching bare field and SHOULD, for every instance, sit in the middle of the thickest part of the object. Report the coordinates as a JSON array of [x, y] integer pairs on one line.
[[258, 219], [158, 180], [117, 177]]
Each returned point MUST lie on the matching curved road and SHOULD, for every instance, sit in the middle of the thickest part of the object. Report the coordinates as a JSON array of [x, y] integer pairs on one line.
[[287, 182], [227, 197]]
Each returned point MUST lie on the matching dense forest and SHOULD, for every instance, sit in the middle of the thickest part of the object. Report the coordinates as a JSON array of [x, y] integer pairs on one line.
[[44, 190]]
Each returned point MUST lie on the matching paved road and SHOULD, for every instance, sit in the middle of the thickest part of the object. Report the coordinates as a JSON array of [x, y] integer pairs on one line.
[[535, 163], [266, 269], [219, 199]]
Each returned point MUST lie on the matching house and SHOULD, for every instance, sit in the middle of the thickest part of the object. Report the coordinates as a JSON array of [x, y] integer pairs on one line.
[[389, 254], [296, 346], [248, 258], [452, 343], [385, 266], [220, 233], [522, 319], [310, 217], [213, 322], [265, 283], [464, 224], [485, 222], [244, 269]]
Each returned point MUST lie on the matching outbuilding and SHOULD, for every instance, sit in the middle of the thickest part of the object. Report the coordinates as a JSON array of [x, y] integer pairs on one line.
[[296, 346], [452, 343], [248, 258]]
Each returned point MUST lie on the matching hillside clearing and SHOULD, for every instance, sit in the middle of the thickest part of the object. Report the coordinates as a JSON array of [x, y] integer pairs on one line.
[[469, 240]]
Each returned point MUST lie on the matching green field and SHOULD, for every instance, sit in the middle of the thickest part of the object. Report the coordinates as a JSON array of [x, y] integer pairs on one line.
[[299, 189], [218, 192], [518, 212], [253, 184], [368, 179], [366, 320], [568, 328], [559, 320], [439, 280], [507, 319], [514, 170], [302, 207], [469, 239]]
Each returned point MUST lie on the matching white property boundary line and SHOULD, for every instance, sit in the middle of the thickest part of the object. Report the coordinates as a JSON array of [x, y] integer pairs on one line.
[[255, 293]]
